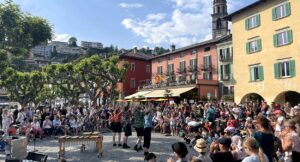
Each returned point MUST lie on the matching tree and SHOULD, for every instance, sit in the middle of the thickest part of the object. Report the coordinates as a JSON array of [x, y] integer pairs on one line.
[[3, 59], [20, 31], [72, 42], [22, 86]]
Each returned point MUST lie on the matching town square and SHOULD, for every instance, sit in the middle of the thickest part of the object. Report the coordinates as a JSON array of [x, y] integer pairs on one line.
[[155, 81]]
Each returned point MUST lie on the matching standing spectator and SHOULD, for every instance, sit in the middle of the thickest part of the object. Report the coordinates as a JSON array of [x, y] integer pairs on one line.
[[254, 152], [147, 132], [290, 142], [21, 116], [139, 127], [264, 137], [223, 144], [7, 119], [127, 126], [116, 126]]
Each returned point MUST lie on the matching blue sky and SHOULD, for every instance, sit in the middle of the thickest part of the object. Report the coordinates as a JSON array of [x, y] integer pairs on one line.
[[128, 23]]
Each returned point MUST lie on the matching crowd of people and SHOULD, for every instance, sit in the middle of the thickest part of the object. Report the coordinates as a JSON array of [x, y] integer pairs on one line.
[[252, 132]]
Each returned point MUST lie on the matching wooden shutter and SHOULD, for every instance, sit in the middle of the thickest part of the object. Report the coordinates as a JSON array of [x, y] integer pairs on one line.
[[275, 40], [276, 70], [274, 16], [258, 20], [261, 73], [292, 68], [288, 9], [290, 36], [259, 45], [246, 24]]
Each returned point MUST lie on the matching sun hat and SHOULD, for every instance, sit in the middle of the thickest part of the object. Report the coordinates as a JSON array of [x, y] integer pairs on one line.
[[180, 148], [201, 145], [296, 108]]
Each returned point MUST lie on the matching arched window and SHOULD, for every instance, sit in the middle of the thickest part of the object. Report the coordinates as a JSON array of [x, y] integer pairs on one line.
[[218, 9], [219, 23]]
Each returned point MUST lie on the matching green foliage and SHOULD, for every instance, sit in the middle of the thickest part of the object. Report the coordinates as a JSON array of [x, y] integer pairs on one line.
[[227, 98], [72, 42]]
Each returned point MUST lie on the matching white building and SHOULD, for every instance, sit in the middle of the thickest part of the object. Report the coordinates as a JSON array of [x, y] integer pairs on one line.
[[96, 45]]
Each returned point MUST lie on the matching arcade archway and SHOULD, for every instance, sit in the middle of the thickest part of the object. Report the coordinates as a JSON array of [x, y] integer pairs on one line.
[[254, 97], [288, 96]]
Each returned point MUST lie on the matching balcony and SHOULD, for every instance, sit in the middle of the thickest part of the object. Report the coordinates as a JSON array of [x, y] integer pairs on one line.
[[170, 73], [225, 59], [226, 77], [181, 70], [193, 69], [206, 67]]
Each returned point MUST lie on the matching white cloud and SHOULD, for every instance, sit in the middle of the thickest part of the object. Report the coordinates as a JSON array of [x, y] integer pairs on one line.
[[131, 5], [62, 37], [189, 22]]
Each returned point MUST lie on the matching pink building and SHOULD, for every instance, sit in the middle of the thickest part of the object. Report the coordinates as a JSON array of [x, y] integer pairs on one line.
[[192, 68]]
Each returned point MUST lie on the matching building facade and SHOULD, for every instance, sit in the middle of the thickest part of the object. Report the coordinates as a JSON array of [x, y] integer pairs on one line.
[[267, 54], [96, 45], [225, 69], [139, 72]]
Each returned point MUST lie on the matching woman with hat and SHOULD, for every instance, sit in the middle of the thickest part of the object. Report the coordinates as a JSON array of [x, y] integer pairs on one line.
[[201, 148], [180, 150]]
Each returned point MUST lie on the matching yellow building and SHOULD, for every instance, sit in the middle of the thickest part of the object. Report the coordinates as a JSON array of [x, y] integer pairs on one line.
[[266, 43]]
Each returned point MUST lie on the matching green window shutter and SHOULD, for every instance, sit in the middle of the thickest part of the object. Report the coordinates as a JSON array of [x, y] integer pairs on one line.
[[248, 48], [261, 72], [288, 9], [290, 36], [274, 14], [259, 45], [292, 68], [246, 24], [276, 70], [275, 40], [258, 20]]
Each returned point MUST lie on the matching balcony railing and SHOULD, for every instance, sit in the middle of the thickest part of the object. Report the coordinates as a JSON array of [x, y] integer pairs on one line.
[[227, 77], [193, 69], [181, 70], [225, 59], [206, 67], [169, 73]]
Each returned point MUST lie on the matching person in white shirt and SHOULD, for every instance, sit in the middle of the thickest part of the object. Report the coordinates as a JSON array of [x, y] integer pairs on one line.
[[47, 126], [36, 129]]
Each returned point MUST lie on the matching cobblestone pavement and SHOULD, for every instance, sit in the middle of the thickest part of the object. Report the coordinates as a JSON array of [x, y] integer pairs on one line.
[[160, 145]]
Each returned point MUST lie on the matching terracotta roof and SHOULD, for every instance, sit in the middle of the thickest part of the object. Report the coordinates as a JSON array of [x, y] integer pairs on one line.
[[216, 40], [229, 17], [139, 56]]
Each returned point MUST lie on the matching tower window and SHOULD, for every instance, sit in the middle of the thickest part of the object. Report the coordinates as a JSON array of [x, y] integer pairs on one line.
[[218, 9]]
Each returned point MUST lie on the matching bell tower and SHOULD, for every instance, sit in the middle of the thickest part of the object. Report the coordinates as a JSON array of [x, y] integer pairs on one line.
[[219, 25]]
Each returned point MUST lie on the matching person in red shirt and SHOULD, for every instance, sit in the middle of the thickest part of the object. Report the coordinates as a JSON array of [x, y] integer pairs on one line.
[[116, 126]]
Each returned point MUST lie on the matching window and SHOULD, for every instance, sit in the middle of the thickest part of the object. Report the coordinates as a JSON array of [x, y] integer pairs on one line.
[[283, 38], [284, 69], [252, 22], [256, 73], [182, 66], [193, 64], [281, 11], [170, 58], [207, 61], [207, 75], [132, 83], [148, 70], [159, 70], [193, 52], [225, 72], [170, 68], [225, 54], [225, 90], [159, 60], [206, 49], [253, 46], [132, 67]]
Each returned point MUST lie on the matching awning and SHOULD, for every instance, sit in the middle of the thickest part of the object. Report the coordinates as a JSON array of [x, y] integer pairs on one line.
[[140, 94], [174, 92]]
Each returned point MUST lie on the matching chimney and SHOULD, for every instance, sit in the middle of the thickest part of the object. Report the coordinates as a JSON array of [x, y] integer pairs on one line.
[[135, 50], [173, 47]]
